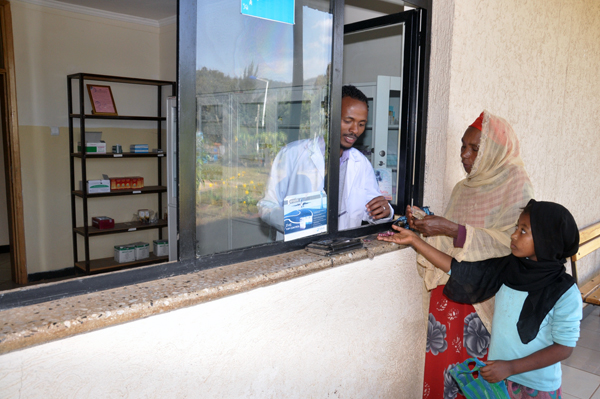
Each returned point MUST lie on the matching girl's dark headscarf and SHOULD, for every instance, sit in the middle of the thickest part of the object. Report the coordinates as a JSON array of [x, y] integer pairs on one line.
[[555, 237]]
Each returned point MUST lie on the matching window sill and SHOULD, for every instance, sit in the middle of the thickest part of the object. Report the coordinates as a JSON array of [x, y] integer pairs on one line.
[[45, 322]]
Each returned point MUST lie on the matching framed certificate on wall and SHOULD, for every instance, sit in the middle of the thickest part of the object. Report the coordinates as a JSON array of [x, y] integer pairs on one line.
[[102, 100]]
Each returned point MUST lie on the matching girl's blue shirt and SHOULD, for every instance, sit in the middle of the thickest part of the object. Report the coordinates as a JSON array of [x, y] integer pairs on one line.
[[561, 325]]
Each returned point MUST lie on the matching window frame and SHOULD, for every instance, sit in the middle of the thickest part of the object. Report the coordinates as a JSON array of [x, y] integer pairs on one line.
[[188, 262]]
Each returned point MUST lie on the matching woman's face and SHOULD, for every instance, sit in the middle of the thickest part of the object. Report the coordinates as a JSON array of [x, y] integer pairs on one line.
[[470, 147]]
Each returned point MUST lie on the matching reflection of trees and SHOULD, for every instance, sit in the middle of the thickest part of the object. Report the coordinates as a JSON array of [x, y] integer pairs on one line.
[[232, 175], [209, 81]]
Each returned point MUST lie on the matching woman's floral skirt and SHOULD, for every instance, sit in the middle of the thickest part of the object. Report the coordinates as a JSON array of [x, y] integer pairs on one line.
[[454, 334]]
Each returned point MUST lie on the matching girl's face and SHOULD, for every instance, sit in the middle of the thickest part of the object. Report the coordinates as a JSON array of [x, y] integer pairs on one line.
[[521, 243]]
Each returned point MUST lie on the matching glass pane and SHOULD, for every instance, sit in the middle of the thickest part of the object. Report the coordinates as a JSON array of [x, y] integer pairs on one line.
[[261, 92], [383, 142]]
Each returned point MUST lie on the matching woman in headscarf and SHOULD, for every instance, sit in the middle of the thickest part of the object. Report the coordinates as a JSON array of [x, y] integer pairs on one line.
[[477, 224]]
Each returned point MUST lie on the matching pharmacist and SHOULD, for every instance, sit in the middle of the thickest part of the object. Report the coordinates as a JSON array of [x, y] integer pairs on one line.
[[300, 168]]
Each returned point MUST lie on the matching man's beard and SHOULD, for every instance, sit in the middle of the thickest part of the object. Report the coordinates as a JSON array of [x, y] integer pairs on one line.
[[355, 140]]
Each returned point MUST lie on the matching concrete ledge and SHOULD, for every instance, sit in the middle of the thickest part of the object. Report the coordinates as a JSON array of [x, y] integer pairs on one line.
[[37, 324]]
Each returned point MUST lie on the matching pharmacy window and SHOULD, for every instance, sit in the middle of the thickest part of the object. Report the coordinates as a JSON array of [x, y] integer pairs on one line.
[[265, 163], [261, 161]]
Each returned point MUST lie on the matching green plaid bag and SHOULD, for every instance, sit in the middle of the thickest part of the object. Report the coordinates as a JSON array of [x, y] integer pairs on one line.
[[475, 387]]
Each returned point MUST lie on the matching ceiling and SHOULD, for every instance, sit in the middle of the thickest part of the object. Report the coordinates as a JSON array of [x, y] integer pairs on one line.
[[150, 9]]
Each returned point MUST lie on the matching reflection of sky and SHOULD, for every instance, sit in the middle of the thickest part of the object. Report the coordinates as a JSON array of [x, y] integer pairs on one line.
[[229, 41]]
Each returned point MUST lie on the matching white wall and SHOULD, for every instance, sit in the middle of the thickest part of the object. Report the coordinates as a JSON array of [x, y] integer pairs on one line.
[[536, 64], [168, 51], [50, 44], [374, 52], [355, 331]]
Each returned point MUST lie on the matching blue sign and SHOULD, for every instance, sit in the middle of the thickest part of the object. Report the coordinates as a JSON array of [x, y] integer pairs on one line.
[[274, 10]]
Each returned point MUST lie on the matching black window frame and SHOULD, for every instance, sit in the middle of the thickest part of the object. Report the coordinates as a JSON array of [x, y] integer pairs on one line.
[[414, 109]]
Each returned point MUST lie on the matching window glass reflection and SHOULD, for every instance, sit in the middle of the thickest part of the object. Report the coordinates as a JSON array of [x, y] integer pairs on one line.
[[260, 85]]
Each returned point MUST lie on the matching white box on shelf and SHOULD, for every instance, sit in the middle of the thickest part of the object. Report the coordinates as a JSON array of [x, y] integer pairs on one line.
[[161, 247], [96, 186], [93, 148], [142, 250], [124, 253]]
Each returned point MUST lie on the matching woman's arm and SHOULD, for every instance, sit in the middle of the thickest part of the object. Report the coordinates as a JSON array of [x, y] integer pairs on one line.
[[432, 225], [498, 370], [406, 237]]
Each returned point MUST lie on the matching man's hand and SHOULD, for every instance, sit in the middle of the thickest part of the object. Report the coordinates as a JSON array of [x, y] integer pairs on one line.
[[496, 370], [431, 225], [378, 208]]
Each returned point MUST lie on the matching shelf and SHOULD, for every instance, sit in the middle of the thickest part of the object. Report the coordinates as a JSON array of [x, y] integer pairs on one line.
[[76, 111], [123, 155], [122, 117], [120, 79], [143, 190], [104, 264], [121, 228]]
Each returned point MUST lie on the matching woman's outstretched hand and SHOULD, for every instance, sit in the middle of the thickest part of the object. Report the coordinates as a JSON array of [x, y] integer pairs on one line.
[[402, 236], [431, 225]]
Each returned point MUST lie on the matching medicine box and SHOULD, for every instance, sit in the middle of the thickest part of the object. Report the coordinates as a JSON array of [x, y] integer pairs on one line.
[[93, 148], [126, 183], [137, 182], [138, 148], [124, 253], [93, 143], [142, 250], [96, 186], [120, 183], [161, 247], [103, 222]]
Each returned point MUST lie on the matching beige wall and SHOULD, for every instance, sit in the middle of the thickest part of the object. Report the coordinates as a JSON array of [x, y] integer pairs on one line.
[[49, 45], [534, 63], [355, 331]]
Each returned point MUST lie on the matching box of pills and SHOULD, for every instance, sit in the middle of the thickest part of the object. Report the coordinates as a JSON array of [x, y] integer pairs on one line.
[[103, 222], [137, 182], [120, 183], [124, 253], [96, 186], [161, 247], [142, 250], [93, 148]]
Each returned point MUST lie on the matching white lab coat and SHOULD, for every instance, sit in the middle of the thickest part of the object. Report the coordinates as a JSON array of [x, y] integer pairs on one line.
[[300, 168]]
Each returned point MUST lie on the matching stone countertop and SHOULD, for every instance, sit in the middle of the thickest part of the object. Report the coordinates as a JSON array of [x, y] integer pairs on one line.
[[26, 326]]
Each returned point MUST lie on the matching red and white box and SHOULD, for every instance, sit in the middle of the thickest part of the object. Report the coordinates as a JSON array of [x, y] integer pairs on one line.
[[126, 183], [103, 222]]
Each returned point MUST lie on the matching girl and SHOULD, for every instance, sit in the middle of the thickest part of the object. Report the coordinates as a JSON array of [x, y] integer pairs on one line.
[[538, 305]]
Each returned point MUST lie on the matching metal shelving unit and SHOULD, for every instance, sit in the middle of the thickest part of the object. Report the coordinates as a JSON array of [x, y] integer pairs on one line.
[[86, 231]]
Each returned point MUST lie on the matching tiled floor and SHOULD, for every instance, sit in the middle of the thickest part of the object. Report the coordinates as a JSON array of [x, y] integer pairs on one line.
[[581, 371]]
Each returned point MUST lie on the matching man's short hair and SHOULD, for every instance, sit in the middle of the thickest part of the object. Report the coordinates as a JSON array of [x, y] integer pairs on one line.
[[353, 92]]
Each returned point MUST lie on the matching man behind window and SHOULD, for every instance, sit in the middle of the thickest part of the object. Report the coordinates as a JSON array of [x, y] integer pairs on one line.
[[300, 168]]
